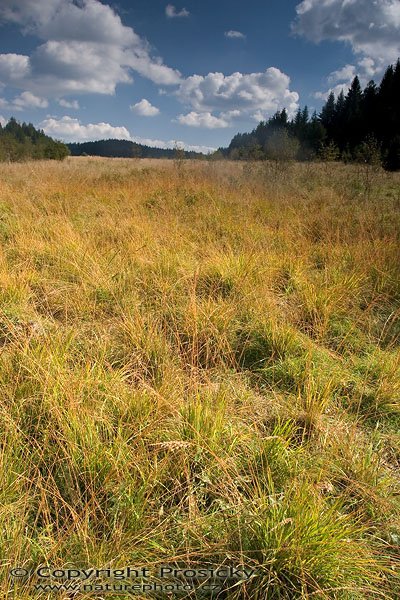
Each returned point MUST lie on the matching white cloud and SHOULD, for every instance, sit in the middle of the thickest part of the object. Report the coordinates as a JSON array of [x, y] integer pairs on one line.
[[28, 12], [72, 130], [24, 100], [85, 48], [29, 100], [235, 34], [205, 119], [173, 13], [346, 73], [13, 67], [69, 103], [245, 92], [366, 69], [342, 78], [259, 116], [371, 28], [3, 121], [145, 109], [369, 67], [231, 96]]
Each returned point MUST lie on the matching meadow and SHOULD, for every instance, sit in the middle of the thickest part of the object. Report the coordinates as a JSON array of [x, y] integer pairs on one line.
[[200, 367]]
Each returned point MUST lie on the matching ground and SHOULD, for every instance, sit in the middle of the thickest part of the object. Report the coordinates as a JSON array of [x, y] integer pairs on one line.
[[200, 366]]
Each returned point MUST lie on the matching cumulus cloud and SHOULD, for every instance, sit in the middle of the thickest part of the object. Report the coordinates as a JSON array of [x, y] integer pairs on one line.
[[29, 100], [72, 130], [369, 67], [69, 103], [340, 80], [371, 28], [3, 121], [215, 99], [205, 119], [24, 100], [85, 49], [173, 13], [235, 34], [13, 67], [145, 109], [259, 116], [346, 73], [28, 12]]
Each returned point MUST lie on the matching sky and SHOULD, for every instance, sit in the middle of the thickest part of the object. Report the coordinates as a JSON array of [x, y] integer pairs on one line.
[[189, 72]]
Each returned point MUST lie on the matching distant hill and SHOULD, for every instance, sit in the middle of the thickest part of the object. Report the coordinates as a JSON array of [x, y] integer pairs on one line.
[[19, 142], [125, 149]]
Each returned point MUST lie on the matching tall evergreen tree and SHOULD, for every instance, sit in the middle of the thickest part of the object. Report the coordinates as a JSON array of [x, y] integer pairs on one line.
[[353, 114], [370, 110], [328, 114]]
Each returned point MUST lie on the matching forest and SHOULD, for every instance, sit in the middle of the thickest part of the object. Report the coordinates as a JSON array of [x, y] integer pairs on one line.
[[126, 149], [19, 142], [361, 126]]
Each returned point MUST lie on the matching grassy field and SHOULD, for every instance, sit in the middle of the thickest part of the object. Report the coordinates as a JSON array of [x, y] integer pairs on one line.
[[200, 366]]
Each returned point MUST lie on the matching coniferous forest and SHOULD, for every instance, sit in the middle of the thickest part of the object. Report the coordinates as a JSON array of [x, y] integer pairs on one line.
[[126, 149], [361, 126], [20, 142]]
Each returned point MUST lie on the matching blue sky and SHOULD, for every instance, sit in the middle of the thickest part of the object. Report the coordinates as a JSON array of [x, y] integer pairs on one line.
[[188, 71]]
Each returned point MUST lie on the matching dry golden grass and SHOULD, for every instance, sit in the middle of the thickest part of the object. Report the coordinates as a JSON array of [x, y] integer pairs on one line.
[[200, 364]]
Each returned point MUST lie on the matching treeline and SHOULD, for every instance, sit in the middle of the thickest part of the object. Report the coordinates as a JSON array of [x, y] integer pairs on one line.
[[19, 142], [363, 125], [126, 149]]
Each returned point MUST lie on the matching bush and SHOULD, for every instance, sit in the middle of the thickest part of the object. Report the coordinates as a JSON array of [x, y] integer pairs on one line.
[[281, 147]]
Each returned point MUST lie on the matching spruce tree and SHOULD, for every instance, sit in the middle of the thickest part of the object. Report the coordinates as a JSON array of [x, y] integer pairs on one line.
[[328, 113]]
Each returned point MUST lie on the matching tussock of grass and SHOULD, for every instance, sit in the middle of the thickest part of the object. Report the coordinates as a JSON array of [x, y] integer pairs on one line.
[[200, 366]]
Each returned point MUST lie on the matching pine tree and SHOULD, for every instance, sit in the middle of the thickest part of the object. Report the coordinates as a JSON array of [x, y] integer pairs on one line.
[[370, 110], [328, 114], [353, 114], [385, 106]]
